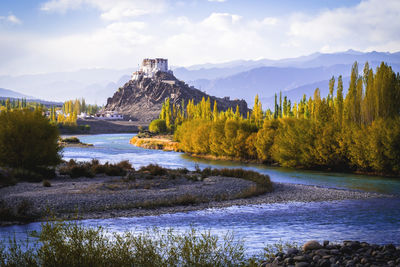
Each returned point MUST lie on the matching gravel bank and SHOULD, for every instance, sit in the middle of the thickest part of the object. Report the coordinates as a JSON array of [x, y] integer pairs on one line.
[[106, 197]]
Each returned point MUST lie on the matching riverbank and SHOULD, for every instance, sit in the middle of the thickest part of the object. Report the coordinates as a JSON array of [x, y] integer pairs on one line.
[[94, 126], [160, 142], [108, 197], [72, 141], [166, 143]]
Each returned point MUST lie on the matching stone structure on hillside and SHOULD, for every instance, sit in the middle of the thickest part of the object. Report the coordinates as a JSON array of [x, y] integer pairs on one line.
[[142, 97], [150, 67]]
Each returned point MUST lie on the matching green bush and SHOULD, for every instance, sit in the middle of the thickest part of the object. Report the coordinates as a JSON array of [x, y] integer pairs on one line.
[[158, 126], [71, 140], [46, 183], [28, 141], [71, 244]]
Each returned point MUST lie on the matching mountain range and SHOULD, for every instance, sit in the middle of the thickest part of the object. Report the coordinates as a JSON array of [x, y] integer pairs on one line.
[[12, 94], [241, 79]]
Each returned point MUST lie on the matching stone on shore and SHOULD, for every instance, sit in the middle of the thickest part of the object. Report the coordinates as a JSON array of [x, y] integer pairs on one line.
[[348, 253], [311, 245]]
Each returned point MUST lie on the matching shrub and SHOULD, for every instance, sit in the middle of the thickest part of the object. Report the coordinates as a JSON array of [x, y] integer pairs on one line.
[[81, 170], [153, 169], [90, 169], [125, 164], [77, 169], [71, 140], [71, 244], [158, 126], [28, 141], [46, 183], [114, 170]]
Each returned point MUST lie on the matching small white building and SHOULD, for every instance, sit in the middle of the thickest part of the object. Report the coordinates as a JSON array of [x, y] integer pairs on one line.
[[150, 67], [84, 115], [109, 116]]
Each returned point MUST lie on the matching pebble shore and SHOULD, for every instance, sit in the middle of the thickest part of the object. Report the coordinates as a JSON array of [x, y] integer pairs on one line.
[[108, 197], [348, 253]]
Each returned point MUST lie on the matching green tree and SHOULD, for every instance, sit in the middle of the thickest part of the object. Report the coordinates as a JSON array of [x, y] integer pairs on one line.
[[28, 141], [158, 126], [339, 102]]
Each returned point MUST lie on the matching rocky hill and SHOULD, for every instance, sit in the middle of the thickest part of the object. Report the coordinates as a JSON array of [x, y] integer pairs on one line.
[[142, 99]]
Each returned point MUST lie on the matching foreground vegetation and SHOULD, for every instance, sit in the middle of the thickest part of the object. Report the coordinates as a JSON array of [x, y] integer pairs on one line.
[[356, 132], [28, 144], [72, 244]]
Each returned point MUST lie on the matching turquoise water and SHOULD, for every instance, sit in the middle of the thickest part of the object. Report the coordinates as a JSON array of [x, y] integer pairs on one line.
[[116, 147], [373, 220]]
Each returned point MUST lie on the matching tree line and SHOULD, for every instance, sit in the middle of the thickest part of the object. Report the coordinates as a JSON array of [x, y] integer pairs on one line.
[[68, 113], [359, 131], [7, 104]]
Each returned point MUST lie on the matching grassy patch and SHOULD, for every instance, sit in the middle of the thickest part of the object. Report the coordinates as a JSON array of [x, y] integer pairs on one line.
[[161, 142]]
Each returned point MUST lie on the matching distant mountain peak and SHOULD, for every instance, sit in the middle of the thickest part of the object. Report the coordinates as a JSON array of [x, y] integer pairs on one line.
[[353, 52]]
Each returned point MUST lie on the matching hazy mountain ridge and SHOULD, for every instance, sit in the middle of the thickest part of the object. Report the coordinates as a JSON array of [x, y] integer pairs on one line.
[[237, 79], [95, 85], [6, 93]]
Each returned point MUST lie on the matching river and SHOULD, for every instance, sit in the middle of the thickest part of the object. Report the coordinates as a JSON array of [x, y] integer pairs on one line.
[[373, 220]]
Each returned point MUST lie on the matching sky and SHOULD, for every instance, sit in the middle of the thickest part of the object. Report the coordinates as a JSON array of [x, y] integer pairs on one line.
[[41, 36]]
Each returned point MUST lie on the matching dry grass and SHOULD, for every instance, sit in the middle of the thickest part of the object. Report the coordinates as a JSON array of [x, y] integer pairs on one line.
[[90, 169], [156, 143]]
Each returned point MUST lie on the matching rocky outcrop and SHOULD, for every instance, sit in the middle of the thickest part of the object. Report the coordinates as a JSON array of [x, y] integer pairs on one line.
[[142, 99]]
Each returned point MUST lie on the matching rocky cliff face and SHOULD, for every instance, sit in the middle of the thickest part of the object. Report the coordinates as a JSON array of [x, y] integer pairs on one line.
[[142, 99]]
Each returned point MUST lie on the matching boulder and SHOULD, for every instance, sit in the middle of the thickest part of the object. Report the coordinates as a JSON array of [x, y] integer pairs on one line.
[[311, 245], [291, 251]]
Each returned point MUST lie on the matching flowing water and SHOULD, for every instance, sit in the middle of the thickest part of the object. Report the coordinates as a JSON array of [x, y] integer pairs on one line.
[[372, 220]]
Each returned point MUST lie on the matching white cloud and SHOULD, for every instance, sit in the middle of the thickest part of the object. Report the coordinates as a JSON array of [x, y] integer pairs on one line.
[[270, 21], [370, 24], [221, 21], [219, 1], [218, 37], [11, 19], [61, 5], [118, 45], [111, 10], [188, 40]]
